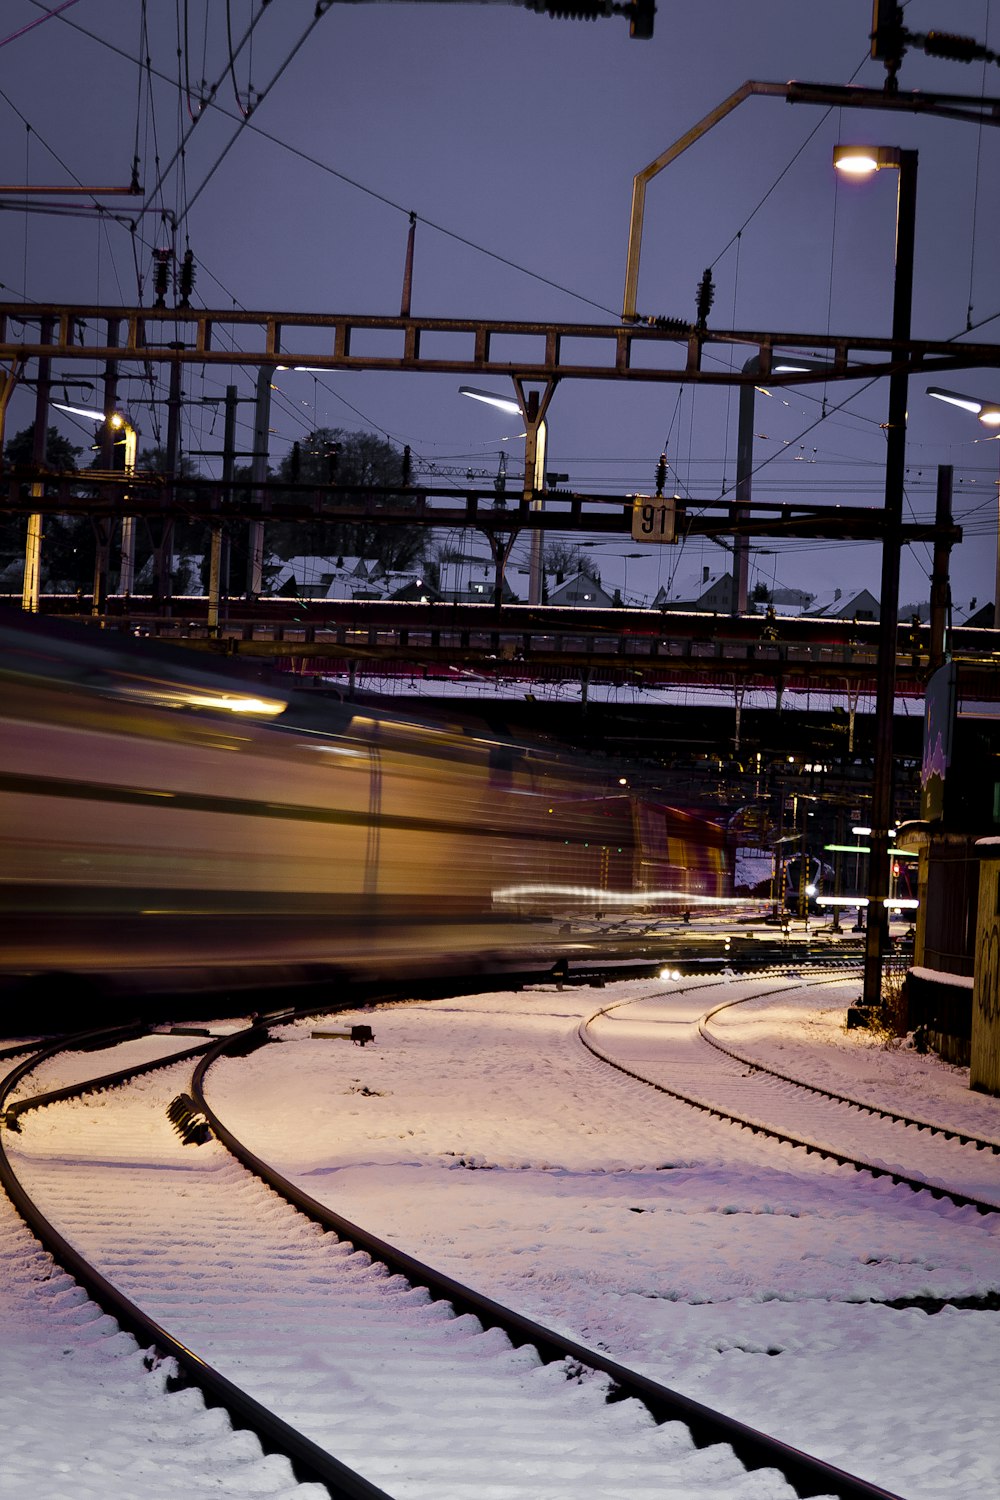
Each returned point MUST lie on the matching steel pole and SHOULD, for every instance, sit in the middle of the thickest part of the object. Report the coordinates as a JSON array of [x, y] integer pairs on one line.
[[32, 583], [744, 482], [534, 485], [258, 475], [996, 593], [102, 525], [126, 577], [877, 926], [940, 586]]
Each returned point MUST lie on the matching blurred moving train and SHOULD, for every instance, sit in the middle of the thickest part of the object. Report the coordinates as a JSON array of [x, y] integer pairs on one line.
[[167, 826]]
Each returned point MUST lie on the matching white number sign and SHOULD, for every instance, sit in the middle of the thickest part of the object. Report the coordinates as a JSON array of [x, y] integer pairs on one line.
[[654, 518]]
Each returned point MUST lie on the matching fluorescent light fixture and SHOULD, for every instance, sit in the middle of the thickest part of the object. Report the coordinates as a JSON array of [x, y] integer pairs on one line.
[[505, 403], [80, 411], [954, 398], [988, 412], [789, 365], [114, 419]]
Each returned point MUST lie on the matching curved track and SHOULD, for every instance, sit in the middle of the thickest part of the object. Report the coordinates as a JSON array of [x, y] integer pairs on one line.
[[182, 1366], [733, 1086], [356, 1357]]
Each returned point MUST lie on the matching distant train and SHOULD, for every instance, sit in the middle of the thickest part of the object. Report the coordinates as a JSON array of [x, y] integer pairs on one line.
[[167, 826]]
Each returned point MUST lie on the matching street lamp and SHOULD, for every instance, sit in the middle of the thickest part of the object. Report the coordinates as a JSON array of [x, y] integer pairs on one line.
[[532, 410], [118, 422], [988, 413], [861, 161]]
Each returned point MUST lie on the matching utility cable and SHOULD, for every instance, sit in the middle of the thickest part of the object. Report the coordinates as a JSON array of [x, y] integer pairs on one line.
[[232, 60], [975, 196], [243, 122], [209, 101], [786, 169], [213, 103], [40, 22]]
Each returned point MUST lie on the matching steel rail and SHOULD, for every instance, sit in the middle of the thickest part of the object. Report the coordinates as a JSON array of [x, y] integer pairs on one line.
[[12, 1114], [807, 1475], [757, 1127], [308, 1460], [879, 1110]]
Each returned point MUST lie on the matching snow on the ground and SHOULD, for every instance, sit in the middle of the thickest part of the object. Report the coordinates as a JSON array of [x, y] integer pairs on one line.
[[803, 1034], [84, 1418], [480, 1136]]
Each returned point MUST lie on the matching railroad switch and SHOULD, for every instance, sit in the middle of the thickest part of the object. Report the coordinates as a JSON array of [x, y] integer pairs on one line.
[[359, 1035], [189, 1121]]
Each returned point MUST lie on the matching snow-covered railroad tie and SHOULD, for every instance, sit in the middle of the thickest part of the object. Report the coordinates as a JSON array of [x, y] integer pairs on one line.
[[383, 1373], [697, 1060]]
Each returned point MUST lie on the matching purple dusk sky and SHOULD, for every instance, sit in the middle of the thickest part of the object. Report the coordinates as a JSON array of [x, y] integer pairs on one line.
[[518, 135]]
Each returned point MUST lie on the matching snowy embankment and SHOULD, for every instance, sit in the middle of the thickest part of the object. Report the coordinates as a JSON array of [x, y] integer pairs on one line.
[[86, 1414], [480, 1136], [426, 1405]]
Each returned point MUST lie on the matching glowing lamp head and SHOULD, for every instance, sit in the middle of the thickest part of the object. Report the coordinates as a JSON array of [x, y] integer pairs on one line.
[[856, 163], [862, 161]]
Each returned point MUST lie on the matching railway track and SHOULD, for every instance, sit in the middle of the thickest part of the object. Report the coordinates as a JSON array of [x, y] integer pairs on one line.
[[730, 1084], [419, 1386]]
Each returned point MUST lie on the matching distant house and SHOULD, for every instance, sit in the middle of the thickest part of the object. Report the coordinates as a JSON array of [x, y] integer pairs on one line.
[[470, 578], [404, 584], [324, 578], [580, 589], [186, 571], [982, 619], [712, 592], [785, 601], [859, 605]]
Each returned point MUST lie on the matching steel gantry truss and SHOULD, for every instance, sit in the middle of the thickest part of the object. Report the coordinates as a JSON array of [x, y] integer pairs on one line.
[[669, 351], [525, 352], [98, 493]]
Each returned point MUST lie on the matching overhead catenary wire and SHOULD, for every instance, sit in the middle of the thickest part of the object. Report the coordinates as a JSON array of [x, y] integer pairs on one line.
[[220, 158], [185, 135], [306, 157], [50, 13], [363, 417]]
